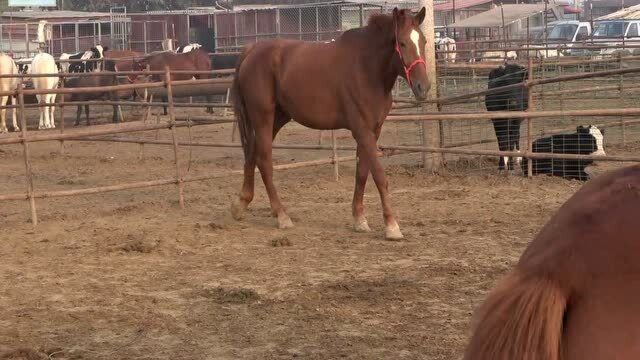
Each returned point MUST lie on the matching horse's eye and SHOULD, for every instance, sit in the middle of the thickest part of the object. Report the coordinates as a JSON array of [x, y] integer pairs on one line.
[[402, 44]]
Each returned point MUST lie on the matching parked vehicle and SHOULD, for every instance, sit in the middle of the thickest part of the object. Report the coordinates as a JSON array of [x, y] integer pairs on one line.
[[562, 36], [617, 31]]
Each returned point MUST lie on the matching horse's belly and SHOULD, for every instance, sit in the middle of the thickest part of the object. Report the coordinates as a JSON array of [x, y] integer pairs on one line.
[[314, 109]]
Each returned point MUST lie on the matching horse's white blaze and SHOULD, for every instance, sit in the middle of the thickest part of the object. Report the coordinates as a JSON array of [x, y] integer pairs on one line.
[[415, 39], [597, 134]]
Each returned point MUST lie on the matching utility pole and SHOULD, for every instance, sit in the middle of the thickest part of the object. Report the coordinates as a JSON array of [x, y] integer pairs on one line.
[[430, 129]]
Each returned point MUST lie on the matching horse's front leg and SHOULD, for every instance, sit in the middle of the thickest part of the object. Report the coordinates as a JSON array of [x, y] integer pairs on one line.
[[367, 151], [360, 223]]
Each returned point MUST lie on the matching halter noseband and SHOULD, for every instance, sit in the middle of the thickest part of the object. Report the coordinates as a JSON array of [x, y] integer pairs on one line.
[[407, 69]]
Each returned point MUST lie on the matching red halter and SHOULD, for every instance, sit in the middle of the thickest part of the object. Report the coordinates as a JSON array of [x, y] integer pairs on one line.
[[407, 69]]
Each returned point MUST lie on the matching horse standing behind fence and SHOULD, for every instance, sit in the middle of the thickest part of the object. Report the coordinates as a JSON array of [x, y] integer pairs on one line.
[[194, 60], [44, 63], [344, 84], [8, 67], [507, 130], [573, 295], [92, 81]]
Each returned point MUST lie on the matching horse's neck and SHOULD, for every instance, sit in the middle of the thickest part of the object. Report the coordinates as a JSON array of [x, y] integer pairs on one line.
[[379, 58]]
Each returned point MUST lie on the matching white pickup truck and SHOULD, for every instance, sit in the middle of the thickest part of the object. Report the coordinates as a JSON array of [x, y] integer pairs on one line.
[[615, 32], [562, 36]]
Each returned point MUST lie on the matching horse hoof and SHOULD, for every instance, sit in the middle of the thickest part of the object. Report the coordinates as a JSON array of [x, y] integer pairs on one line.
[[16, 129], [237, 210], [361, 225], [392, 232], [3, 130], [284, 222]]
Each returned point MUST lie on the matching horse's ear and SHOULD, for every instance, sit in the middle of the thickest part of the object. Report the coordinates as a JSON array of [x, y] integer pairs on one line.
[[420, 15], [396, 13]]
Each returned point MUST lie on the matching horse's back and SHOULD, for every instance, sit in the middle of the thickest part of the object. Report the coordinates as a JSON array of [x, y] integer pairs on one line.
[[304, 78], [592, 232], [591, 247]]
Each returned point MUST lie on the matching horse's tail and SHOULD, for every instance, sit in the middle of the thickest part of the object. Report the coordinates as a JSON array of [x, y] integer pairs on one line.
[[522, 318], [245, 126]]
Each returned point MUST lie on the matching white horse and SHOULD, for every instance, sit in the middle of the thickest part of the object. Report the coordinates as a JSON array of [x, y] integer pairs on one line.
[[447, 44], [44, 63], [8, 67]]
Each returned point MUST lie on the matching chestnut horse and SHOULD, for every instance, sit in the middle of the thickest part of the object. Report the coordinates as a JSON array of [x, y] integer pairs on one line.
[[194, 60], [574, 294], [344, 84]]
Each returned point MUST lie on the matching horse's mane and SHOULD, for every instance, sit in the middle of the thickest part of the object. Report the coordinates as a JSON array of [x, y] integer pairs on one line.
[[381, 25], [381, 21]]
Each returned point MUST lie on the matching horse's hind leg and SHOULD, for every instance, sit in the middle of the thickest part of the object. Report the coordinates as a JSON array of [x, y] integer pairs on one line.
[[13, 114], [3, 115], [248, 185], [42, 110], [51, 99], [265, 132]]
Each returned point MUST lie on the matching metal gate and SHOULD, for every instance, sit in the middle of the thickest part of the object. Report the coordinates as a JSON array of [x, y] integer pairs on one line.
[[119, 28]]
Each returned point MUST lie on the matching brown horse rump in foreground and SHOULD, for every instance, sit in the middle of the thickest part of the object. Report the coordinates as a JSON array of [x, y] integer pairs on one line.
[[344, 84], [575, 293]]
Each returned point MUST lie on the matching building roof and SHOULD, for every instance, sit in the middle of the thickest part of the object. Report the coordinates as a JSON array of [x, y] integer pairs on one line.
[[54, 14], [630, 13], [493, 18], [346, 3], [460, 4], [612, 3]]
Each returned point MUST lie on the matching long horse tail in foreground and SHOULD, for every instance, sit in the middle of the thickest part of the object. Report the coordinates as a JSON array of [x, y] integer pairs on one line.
[[520, 319], [573, 295]]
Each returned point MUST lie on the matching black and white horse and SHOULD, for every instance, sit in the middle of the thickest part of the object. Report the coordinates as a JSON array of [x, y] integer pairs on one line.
[[187, 48], [507, 130], [587, 140], [88, 64]]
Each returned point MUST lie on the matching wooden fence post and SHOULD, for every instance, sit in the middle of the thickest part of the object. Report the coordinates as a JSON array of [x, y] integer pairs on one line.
[[622, 104], [61, 151], [172, 121], [529, 124], [27, 160]]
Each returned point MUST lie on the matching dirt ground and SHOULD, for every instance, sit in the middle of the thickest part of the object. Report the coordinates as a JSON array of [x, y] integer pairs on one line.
[[126, 275]]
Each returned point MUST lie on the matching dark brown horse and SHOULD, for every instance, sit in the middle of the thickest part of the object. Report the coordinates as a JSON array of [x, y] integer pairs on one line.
[[124, 60], [344, 84], [575, 293], [194, 60]]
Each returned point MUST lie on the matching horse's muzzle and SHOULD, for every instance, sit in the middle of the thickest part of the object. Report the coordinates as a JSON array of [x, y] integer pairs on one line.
[[420, 90]]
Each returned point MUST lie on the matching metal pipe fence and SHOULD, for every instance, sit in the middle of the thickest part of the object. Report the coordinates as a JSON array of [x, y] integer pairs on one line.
[[607, 116]]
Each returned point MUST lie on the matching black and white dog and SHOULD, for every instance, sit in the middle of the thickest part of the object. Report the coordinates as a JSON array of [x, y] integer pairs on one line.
[[507, 130], [587, 140]]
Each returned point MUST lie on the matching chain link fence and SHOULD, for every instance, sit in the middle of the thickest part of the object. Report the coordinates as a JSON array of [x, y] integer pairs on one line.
[[21, 39]]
